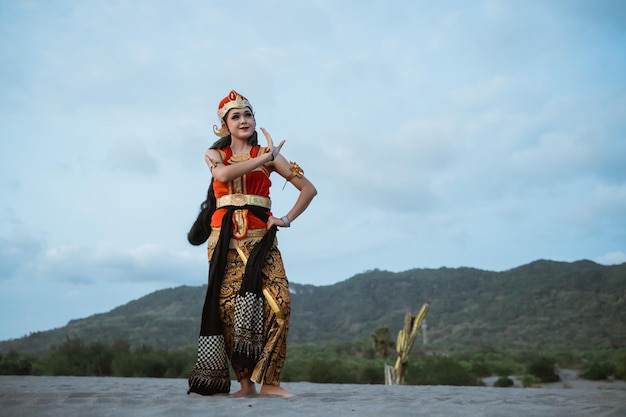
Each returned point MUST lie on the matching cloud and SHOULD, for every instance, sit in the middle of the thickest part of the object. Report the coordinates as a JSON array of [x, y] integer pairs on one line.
[[599, 210], [132, 156], [24, 258], [611, 258], [17, 250], [479, 134]]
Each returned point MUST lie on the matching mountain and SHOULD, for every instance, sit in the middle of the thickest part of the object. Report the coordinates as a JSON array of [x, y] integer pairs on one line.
[[544, 305], [540, 306]]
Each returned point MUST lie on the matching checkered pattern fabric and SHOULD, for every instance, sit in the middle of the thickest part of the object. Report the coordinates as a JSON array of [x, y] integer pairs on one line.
[[249, 314], [248, 329], [212, 352], [210, 374]]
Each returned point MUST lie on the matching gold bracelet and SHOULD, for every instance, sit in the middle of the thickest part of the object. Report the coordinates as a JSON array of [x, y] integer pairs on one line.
[[296, 171]]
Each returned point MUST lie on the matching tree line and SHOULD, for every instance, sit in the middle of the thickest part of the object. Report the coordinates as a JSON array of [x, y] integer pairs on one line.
[[340, 362]]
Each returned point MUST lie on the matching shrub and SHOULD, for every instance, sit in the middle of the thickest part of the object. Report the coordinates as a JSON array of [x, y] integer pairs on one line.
[[439, 370], [597, 371], [502, 368], [371, 373], [503, 382], [543, 368], [620, 367], [530, 381], [480, 369], [14, 363]]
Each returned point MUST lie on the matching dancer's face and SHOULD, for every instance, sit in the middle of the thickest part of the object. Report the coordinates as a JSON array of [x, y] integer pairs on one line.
[[241, 123]]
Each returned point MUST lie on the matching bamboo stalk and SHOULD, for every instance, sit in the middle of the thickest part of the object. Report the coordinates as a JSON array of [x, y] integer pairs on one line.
[[406, 339]]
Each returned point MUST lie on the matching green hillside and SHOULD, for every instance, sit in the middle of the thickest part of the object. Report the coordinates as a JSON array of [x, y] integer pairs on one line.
[[544, 305]]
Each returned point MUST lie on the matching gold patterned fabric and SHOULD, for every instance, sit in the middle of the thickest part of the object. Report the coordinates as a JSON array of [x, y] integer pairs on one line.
[[245, 317], [276, 325], [208, 375]]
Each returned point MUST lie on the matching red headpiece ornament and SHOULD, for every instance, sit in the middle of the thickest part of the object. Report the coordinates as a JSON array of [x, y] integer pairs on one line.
[[233, 100]]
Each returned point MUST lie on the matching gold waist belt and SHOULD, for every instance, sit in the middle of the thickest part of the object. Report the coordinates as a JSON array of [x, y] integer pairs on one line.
[[240, 200], [253, 236]]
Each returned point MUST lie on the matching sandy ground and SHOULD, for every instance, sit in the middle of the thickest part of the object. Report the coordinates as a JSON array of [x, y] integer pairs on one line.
[[26, 396], [569, 379]]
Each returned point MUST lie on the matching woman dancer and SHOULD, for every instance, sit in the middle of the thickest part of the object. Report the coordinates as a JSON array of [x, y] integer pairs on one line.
[[245, 318]]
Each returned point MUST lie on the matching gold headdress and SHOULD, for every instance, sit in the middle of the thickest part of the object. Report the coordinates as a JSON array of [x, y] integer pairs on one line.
[[233, 100]]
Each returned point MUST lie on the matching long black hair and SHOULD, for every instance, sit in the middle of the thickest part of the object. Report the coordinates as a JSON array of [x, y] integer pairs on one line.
[[201, 228]]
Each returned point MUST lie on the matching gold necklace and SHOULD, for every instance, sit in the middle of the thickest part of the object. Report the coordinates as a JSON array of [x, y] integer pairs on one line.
[[239, 157]]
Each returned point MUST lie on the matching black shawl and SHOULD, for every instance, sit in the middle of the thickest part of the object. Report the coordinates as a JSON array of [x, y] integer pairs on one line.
[[210, 374]]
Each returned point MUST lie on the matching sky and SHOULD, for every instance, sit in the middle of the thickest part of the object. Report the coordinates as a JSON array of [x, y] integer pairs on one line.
[[485, 134]]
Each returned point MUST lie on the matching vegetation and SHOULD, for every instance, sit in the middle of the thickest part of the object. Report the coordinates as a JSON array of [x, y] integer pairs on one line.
[[14, 363], [382, 342], [503, 382], [620, 366], [541, 306], [596, 371], [543, 367], [530, 381], [74, 357], [528, 322], [340, 362]]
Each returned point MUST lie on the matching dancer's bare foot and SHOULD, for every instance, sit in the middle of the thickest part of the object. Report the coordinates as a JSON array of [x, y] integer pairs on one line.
[[248, 389], [275, 390]]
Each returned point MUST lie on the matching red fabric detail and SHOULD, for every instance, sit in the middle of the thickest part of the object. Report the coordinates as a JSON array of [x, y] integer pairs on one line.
[[256, 182], [232, 96]]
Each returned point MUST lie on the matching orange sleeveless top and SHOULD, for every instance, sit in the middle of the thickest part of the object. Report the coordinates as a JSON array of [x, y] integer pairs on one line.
[[256, 182]]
